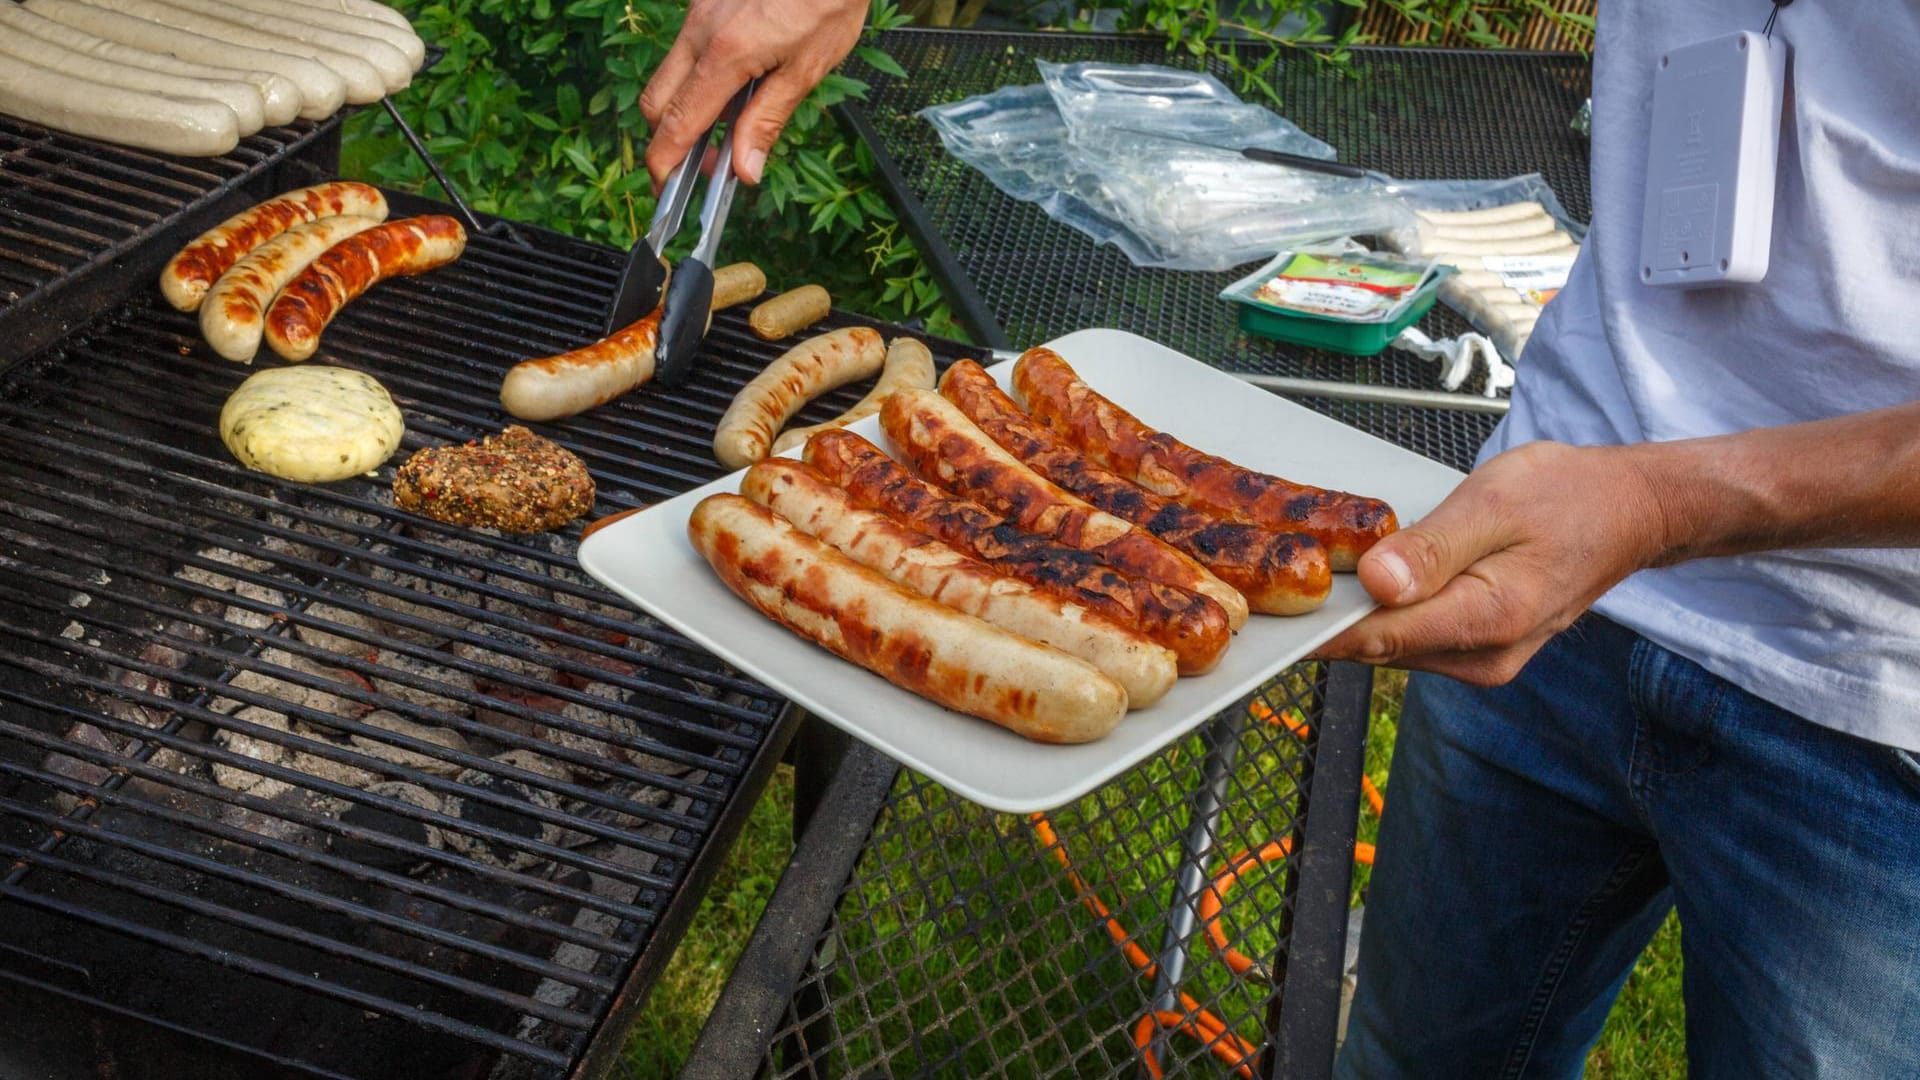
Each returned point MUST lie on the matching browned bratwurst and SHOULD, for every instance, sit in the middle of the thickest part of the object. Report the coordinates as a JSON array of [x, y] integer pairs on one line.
[[1346, 525], [949, 449], [352, 266], [1193, 626], [1280, 573], [515, 481]]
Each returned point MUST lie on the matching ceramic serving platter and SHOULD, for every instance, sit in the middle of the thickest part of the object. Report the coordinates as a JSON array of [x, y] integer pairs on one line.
[[646, 558]]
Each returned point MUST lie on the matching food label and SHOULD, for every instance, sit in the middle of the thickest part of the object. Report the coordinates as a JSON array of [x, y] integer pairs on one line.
[[1537, 278], [1346, 288]]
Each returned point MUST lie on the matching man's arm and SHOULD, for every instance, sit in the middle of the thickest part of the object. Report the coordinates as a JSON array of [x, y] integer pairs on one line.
[[1534, 537]]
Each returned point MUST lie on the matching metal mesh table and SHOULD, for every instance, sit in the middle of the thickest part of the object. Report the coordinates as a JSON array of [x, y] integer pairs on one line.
[[913, 934]]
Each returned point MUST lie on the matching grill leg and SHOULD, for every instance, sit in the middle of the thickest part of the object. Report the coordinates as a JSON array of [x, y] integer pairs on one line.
[[1222, 737]]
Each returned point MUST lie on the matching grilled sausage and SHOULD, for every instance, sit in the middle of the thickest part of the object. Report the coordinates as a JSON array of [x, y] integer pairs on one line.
[[77, 106], [790, 312], [287, 12], [947, 448], [909, 364], [1279, 573], [311, 300], [363, 82], [1194, 627], [737, 283], [917, 644], [16, 41], [799, 493], [187, 276], [233, 314], [321, 91], [279, 99], [1346, 525], [804, 372], [552, 387]]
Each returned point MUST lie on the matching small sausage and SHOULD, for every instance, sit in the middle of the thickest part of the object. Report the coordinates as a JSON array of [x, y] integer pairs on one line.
[[115, 114], [919, 645], [1280, 573], [790, 312], [552, 387], [804, 372], [233, 313], [398, 248], [737, 283], [949, 449], [188, 275], [1492, 215], [321, 91], [1346, 525], [1194, 627], [909, 365], [800, 494], [1468, 262]]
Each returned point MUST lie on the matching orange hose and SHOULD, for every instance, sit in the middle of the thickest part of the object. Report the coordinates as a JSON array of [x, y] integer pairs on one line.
[[1197, 1023]]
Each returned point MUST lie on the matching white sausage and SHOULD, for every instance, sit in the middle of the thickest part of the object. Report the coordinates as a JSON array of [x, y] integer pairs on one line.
[[1469, 261], [279, 99], [233, 312], [23, 44], [389, 64], [321, 91], [908, 364], [363, 83], [1492, 215], [402, 37], [802, 373], [1538, 225], [552, 387], [146, 121], [799, 493], [366, 9], [932, 650], [1529, 245]]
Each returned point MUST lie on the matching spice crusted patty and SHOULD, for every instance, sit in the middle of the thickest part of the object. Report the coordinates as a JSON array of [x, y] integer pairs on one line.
[[515, 481]]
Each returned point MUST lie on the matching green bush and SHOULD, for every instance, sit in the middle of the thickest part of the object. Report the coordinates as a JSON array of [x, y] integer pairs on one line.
[[534, 114]]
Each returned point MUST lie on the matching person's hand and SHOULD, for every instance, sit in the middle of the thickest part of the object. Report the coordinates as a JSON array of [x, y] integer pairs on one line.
[[789, 45], [1519, 550]]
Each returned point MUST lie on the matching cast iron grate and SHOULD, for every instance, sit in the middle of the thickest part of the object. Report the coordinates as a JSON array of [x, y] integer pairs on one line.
[[1416, 114], [962, 947], [210, 819]]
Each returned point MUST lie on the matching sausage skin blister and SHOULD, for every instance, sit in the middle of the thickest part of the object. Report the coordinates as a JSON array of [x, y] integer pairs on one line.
[[947, 448], [800, 494], [1280, 573], [396, 249], [915, 643], [1346, 525], [1193, 626]]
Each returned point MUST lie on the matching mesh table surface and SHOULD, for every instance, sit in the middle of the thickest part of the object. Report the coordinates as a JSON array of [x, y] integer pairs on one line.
[[1415, 114]]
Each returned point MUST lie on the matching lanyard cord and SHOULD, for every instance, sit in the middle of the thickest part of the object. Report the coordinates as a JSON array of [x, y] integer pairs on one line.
[[1772, 16]]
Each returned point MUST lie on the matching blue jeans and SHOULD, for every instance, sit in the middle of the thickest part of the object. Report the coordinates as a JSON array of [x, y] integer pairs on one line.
[[1537, 834]]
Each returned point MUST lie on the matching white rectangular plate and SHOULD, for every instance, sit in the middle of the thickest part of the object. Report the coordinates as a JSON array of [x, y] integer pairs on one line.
[[647, 559]]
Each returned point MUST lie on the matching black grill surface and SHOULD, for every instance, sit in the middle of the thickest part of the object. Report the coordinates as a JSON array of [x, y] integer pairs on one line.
[[465, 899], [1017, 278]]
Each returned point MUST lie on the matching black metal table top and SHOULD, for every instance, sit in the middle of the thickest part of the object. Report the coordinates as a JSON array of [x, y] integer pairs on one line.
[[1017, 278]]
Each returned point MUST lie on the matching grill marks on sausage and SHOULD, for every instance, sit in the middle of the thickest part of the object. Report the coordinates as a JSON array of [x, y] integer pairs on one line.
[[200, 264], [1344, 523], [350, 267]]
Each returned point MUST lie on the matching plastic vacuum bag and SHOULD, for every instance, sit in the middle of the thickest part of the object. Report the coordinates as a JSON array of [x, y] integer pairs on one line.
[[1146, 158]]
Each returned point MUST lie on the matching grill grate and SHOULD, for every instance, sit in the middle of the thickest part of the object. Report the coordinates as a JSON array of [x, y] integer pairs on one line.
[[215, 815], [1017, 277]]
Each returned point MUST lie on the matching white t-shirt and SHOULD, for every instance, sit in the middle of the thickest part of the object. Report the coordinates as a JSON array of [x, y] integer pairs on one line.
[[1834, 328]]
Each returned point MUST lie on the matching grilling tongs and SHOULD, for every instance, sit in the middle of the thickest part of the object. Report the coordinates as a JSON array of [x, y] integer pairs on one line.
[[686, 311]]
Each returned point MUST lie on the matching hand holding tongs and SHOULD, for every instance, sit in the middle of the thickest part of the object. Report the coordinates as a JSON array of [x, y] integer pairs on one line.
[[689, 289]]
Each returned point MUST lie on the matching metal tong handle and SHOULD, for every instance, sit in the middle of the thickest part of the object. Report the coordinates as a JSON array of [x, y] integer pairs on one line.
[[687, 309]]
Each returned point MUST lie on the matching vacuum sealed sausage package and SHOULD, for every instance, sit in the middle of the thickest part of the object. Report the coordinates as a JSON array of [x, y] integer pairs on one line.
[[1147, 158]]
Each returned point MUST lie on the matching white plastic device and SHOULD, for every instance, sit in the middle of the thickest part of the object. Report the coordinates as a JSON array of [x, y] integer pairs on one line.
[[1710, 162]]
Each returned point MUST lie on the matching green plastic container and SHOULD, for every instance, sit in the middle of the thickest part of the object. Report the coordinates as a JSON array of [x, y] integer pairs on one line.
[[1354, 337]]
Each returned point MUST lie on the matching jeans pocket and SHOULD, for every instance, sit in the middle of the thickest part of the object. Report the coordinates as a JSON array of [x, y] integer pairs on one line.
[[1907, 766]]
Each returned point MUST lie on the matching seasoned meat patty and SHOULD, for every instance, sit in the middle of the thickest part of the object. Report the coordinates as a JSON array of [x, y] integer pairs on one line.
[[515, 481]]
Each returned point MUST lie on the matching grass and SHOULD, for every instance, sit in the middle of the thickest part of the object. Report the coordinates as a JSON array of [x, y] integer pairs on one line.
[[1005, 905]]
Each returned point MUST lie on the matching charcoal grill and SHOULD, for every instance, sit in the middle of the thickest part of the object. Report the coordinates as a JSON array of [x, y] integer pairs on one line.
[[915, 935], [293, 783]]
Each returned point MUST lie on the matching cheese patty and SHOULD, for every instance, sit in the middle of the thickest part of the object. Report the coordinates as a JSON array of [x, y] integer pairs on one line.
[[311, 423]]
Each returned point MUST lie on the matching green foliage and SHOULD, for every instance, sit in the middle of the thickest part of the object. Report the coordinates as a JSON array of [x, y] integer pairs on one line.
[[534, 114]]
